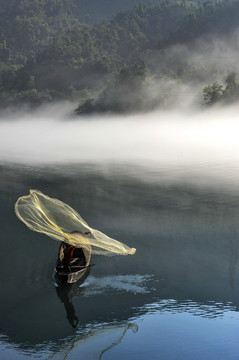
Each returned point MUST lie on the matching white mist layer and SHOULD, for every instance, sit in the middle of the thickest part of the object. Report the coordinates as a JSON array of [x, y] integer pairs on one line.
[[160, 140]]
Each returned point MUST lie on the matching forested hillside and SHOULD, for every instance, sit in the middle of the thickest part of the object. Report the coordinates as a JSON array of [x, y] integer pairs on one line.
[[31, 24], [47, 52], [208, 18]]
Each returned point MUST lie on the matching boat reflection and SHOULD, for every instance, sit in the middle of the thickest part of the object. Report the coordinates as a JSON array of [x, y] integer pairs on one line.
[[65, 293]]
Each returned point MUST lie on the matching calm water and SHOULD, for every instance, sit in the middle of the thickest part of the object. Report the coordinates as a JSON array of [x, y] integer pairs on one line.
[[176, 298]]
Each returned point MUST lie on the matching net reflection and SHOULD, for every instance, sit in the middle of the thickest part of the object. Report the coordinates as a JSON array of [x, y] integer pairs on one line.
[[95, 343]]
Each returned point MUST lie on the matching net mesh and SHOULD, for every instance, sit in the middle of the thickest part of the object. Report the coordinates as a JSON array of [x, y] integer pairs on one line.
[[59, 221]]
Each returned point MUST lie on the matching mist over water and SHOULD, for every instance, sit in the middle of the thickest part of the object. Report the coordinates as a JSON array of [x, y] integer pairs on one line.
[[184, 143], [165, 183]]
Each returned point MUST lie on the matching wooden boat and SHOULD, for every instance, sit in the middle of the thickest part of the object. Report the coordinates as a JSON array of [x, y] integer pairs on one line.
[[78, 266]]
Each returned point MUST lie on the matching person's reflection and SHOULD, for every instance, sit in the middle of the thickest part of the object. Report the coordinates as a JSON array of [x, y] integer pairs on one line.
[[63, 292]]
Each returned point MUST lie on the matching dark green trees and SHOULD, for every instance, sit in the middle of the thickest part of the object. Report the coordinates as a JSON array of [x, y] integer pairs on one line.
[[215, 93], [212, 93], [46, 52]]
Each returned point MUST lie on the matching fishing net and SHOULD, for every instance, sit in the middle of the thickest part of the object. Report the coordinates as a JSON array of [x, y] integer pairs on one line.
[[59, 221]]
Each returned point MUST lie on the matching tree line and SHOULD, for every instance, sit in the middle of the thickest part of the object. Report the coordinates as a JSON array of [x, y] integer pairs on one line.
[[48, 51]]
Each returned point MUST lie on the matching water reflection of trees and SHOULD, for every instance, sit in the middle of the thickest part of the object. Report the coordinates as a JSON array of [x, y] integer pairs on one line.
[[112, 332], [206, 309], [194, 227]]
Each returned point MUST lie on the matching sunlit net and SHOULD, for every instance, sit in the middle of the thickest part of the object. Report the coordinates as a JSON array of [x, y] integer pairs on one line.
[[59, 221]]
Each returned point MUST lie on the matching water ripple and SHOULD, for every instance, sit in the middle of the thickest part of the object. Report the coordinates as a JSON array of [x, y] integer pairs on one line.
[[136, 284]]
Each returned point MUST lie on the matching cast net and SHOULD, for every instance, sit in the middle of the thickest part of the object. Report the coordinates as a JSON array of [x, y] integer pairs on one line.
[[59, 221]]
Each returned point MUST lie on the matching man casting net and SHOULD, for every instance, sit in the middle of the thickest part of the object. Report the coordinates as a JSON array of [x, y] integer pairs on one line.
[[59, 221]]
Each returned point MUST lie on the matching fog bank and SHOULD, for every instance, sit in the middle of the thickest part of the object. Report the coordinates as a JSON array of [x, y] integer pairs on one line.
[[160, 140]]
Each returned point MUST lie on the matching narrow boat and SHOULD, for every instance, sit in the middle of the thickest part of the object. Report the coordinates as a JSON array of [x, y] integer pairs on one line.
[[78, 266]]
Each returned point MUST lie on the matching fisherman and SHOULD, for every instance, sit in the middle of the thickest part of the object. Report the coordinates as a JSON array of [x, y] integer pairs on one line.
[[68, 251]]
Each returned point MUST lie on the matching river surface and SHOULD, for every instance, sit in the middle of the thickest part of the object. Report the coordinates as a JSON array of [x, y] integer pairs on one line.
[[176, 298]]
